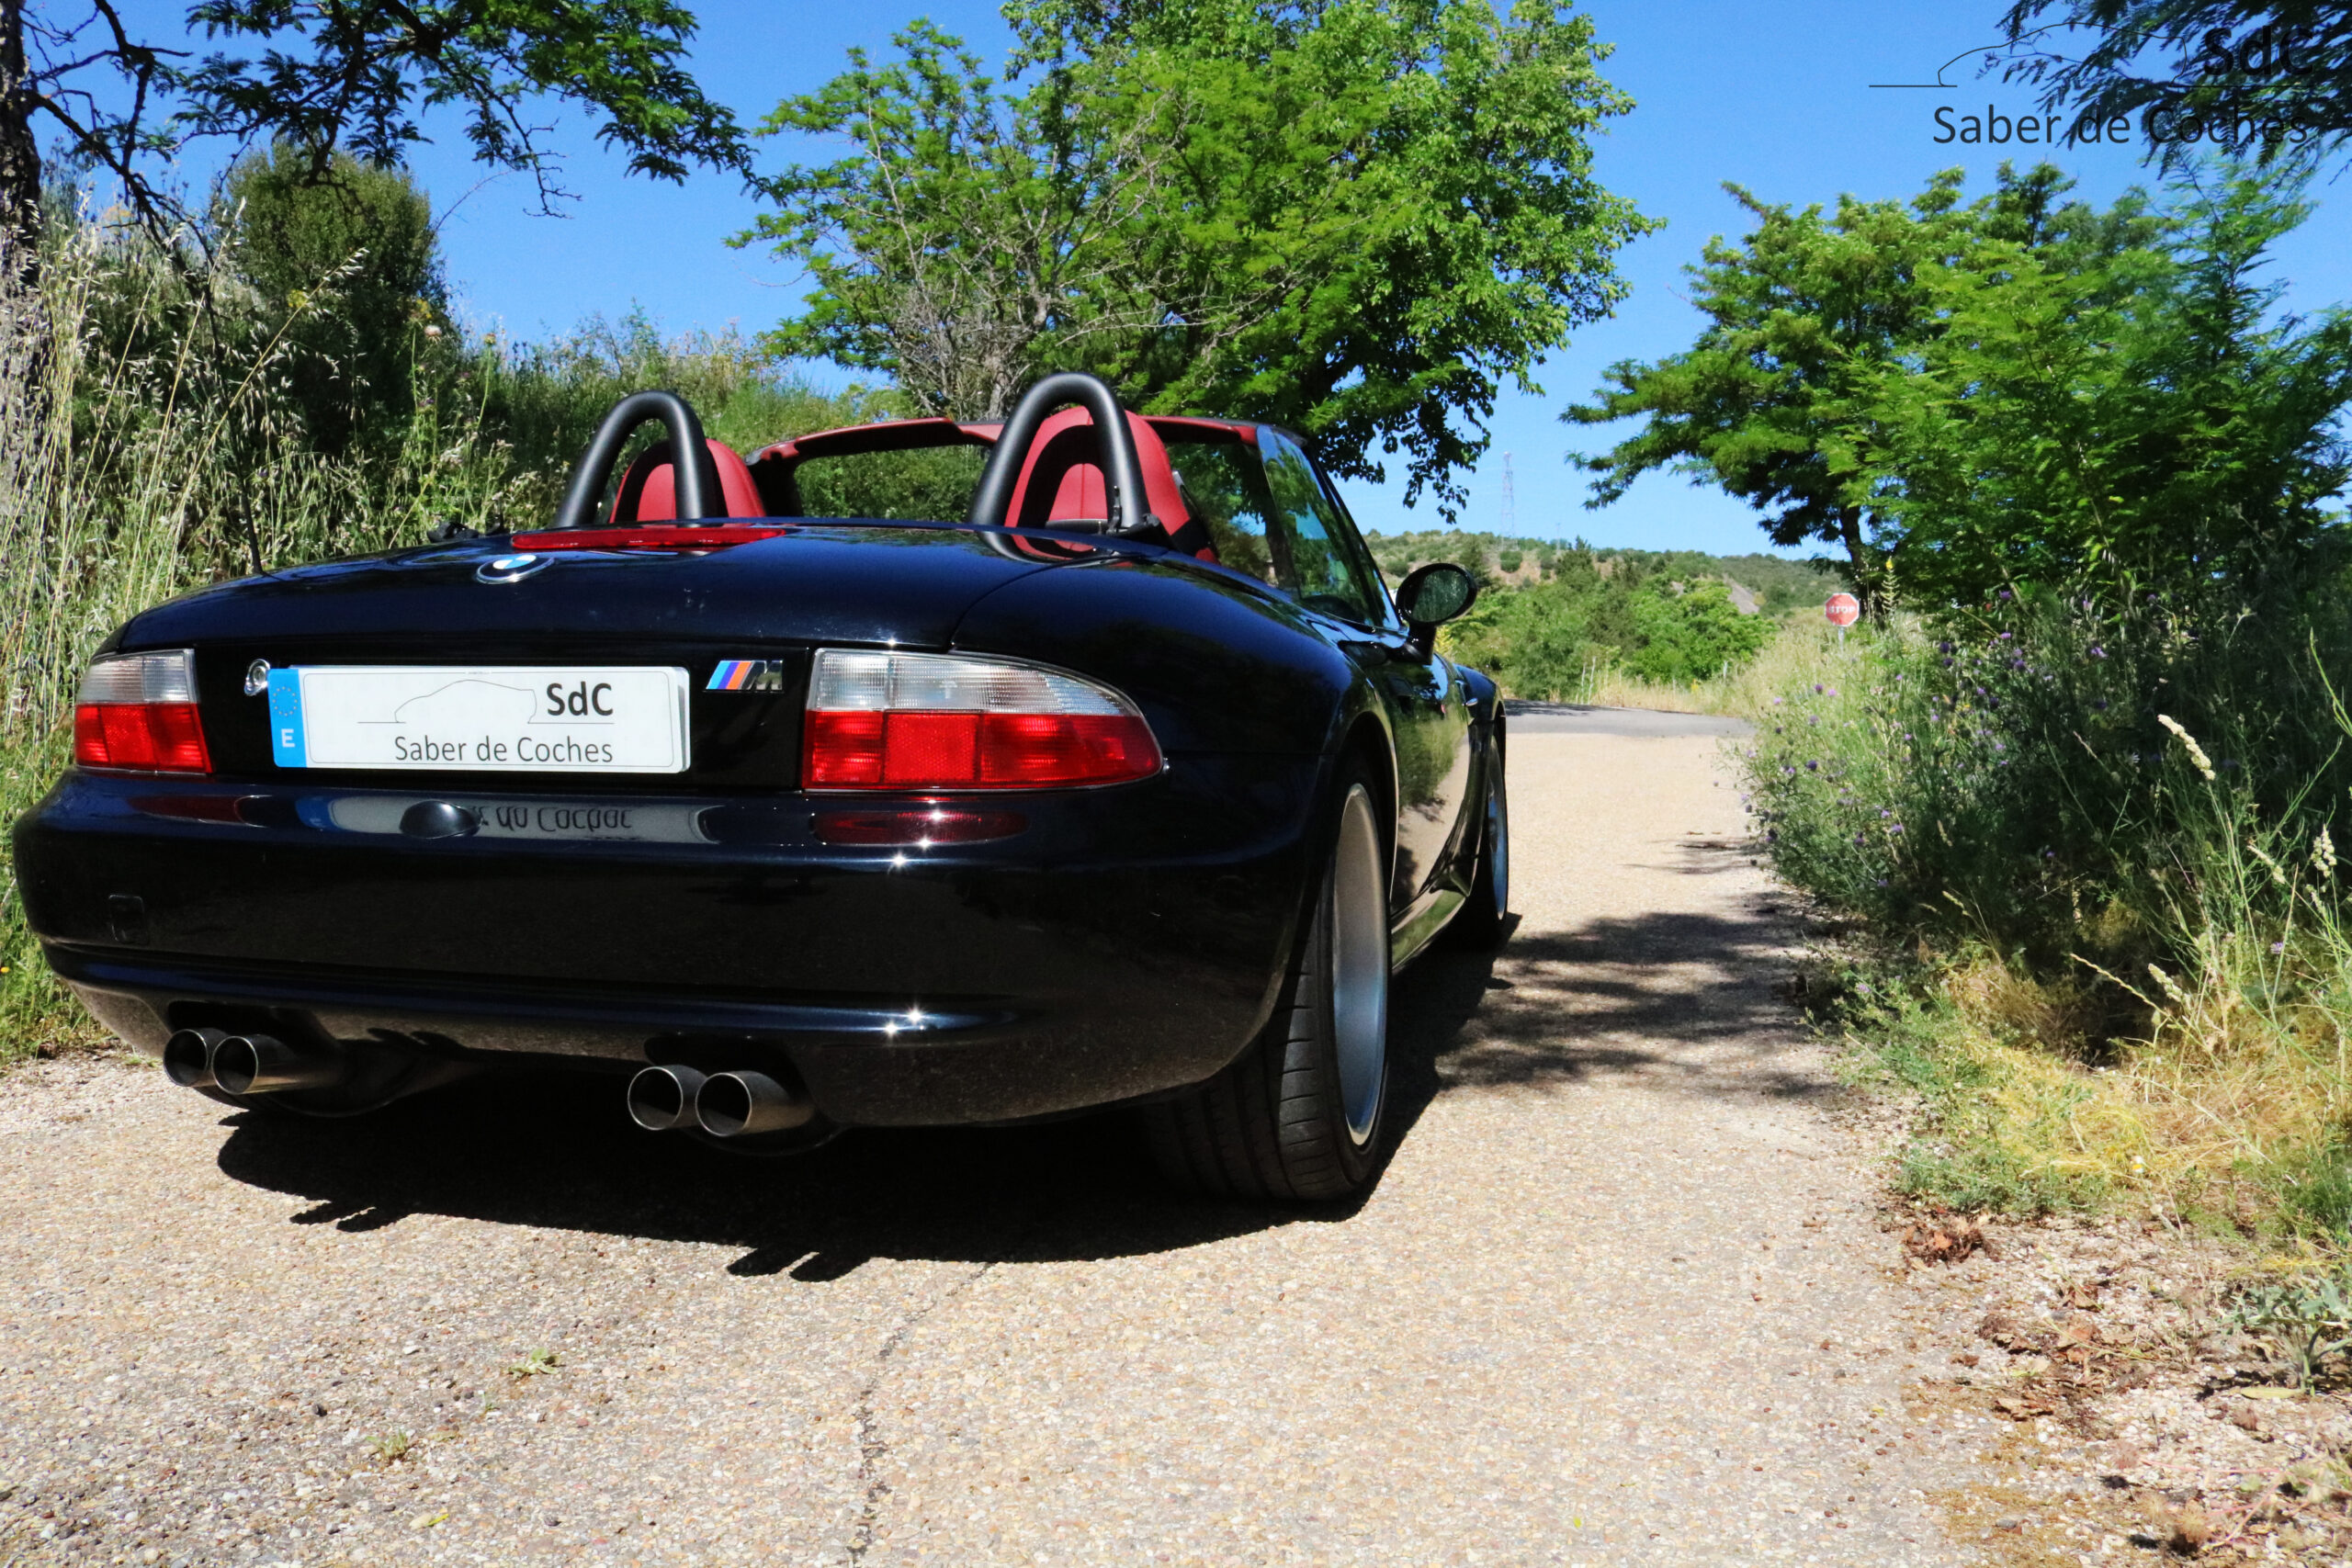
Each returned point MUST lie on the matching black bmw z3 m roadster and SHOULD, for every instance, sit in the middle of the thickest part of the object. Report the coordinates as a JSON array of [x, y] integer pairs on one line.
[[1133, 787]]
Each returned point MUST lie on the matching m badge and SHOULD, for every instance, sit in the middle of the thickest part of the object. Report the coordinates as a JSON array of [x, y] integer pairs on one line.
[[747, 675]]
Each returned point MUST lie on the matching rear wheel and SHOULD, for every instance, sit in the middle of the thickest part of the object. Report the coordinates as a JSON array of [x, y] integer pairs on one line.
[[1480, 920], [1303, 1113]]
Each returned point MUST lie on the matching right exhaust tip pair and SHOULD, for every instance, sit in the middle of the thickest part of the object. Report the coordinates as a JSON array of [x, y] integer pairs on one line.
[[725, 1105]]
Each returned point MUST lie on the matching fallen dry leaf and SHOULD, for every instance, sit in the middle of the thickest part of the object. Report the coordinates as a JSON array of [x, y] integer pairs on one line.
[[2000, 1328], [1946, 1239]]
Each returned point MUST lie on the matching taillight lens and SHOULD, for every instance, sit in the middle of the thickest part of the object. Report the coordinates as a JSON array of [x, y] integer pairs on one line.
[[138, 711], [945, 721]]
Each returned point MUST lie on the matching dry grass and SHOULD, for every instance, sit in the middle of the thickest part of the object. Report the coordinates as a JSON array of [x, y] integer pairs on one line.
[[1805, 650], [2214, 1110]]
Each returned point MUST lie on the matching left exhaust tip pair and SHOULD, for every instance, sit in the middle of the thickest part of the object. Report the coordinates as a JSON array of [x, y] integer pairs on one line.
[[244, 1064], [725, 1105]]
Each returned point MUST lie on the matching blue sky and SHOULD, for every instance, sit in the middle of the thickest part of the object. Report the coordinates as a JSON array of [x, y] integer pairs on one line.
[[1775, 97]]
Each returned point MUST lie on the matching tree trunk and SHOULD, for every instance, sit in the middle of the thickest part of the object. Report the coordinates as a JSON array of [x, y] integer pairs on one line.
[[19, 153]]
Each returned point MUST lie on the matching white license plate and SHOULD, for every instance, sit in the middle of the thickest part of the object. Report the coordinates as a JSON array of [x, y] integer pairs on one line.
[[506, 718]]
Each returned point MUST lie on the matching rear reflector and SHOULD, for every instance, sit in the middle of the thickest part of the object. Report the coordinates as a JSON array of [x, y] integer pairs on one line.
[[941, 721], [922, 826], [138, 711]]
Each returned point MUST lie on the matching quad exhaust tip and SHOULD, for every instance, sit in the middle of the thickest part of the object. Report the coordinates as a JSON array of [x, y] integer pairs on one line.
[[261, 1064], [733, 1104], [664, 1097], [247, 1063], [187, 1056], [724, 1105]]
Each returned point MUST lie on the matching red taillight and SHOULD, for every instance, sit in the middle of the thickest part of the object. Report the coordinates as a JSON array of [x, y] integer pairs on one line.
[[138, 711], [936, 721]]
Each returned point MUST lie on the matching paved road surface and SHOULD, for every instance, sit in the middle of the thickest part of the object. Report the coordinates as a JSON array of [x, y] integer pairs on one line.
[[1619, 1299]]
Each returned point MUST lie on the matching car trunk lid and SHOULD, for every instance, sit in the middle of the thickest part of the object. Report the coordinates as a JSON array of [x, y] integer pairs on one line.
[[740, 621]]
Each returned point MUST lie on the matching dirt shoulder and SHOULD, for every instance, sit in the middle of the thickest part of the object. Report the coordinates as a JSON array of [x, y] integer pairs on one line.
[[2131, 1421]]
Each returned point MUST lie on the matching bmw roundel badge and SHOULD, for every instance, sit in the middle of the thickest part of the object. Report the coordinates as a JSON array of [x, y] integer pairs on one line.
[[510, 569]]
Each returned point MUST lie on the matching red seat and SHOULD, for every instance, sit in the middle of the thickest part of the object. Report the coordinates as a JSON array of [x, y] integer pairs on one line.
[[1061, 482], [649, 491]]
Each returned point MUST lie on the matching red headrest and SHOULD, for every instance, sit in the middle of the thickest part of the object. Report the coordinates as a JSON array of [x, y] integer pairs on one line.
[[1060, 480], [654, 486]]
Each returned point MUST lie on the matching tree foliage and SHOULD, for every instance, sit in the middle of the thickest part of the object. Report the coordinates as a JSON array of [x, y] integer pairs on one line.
[[366, 236], [1355, 217], [2142, 417], [2019, 389], [1807, 310], [1659, 616], [353, 75]]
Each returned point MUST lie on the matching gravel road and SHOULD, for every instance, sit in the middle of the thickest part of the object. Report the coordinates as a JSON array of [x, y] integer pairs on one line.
[[1619, 1299]]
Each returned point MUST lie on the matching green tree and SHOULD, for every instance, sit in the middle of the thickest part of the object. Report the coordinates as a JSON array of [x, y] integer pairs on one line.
[[1356, 218], [360, 243], [344, 73], [1807, 316], [2148, 420]]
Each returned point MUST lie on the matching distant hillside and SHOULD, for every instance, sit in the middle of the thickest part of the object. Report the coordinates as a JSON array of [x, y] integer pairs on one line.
[[1771, 585]]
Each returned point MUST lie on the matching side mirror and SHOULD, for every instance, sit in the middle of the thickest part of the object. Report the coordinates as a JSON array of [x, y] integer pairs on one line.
[[1433, 595]]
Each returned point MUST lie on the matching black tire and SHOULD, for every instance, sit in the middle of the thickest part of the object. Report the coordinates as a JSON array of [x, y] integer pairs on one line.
[[1481, 921], [1277, 1124]]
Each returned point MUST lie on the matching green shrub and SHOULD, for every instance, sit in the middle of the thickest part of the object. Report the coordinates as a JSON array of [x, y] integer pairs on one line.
[[2018, 774], [1692, 635], [363, 234], [1662, 619], [2111, 831]]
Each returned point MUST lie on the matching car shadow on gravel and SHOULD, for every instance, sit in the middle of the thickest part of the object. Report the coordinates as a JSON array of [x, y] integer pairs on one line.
[[1695, 1002], [556, 1150]]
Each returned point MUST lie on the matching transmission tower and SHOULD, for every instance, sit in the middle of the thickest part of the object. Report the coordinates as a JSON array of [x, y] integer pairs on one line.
[[1510, 500]]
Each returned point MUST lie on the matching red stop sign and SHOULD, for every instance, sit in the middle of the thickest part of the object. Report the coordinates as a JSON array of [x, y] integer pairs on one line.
[[1843, 609]]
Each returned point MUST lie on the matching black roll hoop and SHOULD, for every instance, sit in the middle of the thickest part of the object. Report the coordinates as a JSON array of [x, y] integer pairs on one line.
[[1125, 490], [698, 489]]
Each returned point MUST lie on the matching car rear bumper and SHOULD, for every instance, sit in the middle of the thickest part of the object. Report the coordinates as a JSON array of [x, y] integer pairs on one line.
[[1118, 943]]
